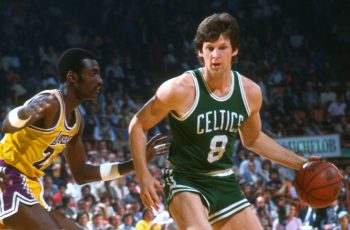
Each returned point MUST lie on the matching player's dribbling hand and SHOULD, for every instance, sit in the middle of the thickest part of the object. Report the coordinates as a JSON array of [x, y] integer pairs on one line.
[[157, 146], [148, 195], [314, 158], [4, 179]]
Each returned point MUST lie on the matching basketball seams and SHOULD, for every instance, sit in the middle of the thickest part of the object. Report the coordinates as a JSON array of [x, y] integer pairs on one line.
[[324, 186], [319, 199], [314, 175]]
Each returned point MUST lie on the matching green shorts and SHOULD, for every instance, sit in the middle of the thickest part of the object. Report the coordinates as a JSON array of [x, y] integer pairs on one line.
[[219, 192]]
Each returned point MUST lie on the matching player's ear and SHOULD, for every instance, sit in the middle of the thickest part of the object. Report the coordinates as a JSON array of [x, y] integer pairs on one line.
[[71, 77], [235, 52], [200, 53]]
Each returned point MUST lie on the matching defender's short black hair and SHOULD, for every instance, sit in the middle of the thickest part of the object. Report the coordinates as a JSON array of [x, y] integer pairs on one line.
[[71, 59]]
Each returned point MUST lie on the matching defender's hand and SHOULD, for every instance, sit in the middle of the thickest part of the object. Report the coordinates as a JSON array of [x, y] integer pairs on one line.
[[157, 146]]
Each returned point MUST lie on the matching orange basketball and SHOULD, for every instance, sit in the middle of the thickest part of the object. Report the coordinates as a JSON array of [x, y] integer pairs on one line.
[[318, 183]]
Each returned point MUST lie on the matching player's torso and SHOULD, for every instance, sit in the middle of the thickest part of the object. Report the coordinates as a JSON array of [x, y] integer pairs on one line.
[[203, 138], [33, 149]]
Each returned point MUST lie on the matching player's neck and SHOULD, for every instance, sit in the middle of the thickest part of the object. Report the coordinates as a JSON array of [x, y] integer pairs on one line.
[[218, 81], [69, 98]]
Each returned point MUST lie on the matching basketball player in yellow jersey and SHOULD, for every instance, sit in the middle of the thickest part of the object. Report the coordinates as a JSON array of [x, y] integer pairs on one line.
[[44, 126]]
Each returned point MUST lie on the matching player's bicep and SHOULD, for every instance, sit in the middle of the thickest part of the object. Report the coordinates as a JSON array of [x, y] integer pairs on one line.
[[39, 107], [250, 129], [75, 152], [151, 114], [155, 109]]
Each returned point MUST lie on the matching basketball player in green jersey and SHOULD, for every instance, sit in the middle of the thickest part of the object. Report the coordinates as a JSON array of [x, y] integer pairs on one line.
[[38, 131], [207, 108]]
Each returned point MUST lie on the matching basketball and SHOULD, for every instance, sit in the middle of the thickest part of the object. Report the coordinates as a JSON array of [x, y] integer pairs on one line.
[[318, 183]]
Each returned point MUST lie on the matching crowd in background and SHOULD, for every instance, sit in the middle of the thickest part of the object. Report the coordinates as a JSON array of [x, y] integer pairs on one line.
[[297, 51]]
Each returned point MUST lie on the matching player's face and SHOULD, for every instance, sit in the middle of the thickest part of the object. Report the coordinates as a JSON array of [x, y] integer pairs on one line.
[[218, 55], [91, 81]]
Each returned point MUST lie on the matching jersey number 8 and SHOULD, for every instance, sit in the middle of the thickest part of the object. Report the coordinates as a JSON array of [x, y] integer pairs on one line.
[[217, 148]]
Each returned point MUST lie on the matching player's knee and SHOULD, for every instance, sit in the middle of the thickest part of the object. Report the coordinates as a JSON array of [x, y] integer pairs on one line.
[[203, 226]]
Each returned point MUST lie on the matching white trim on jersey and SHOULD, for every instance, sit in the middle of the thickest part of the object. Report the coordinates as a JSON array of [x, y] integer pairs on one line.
[[195, 103], [220, 173], [243, 93], [211, 93], [58, 96]]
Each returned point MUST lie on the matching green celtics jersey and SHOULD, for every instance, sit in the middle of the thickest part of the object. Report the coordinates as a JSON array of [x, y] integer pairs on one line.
[[203, 138]]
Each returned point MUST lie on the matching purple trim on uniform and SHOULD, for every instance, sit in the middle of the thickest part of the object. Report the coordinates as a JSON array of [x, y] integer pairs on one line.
[[15, 193]]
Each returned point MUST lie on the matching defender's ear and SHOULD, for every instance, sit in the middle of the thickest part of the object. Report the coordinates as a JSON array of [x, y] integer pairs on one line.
[[71, 77]]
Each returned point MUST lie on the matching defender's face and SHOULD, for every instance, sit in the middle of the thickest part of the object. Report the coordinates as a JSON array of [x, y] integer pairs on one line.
[[90, 84], [218, 55]]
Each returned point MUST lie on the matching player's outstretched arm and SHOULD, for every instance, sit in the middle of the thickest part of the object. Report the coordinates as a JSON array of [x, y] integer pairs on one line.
[[255, 140], [40, 107], [85, 173]]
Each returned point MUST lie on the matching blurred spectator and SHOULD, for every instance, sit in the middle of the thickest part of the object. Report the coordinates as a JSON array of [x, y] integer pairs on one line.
[[97, 222], [120, 188], [127, 223], [134, 193], [115, 222], [270, 204], [310, 96], [338, 107], [91, 121], [82, 220], [136, 209], [111, 114], [343, 218], [250, 176], [264, 174], [296, 39], [104, 131], [50, 189], [287, 218], [57, 197], [274, 183], [69, 207], [146, 222], [115, 69], [251, 157], [248, 191], [263, 213], [286, 173], [308, 218], [331, 218], [327, 96], [276, 77]]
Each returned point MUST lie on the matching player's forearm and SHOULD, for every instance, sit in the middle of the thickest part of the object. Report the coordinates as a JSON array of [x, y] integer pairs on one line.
[[126, 167], [88, 173], [269, 148], [138, 142]]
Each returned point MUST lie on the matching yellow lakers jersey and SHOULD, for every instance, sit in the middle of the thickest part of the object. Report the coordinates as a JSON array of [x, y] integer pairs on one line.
[[33, 149]]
